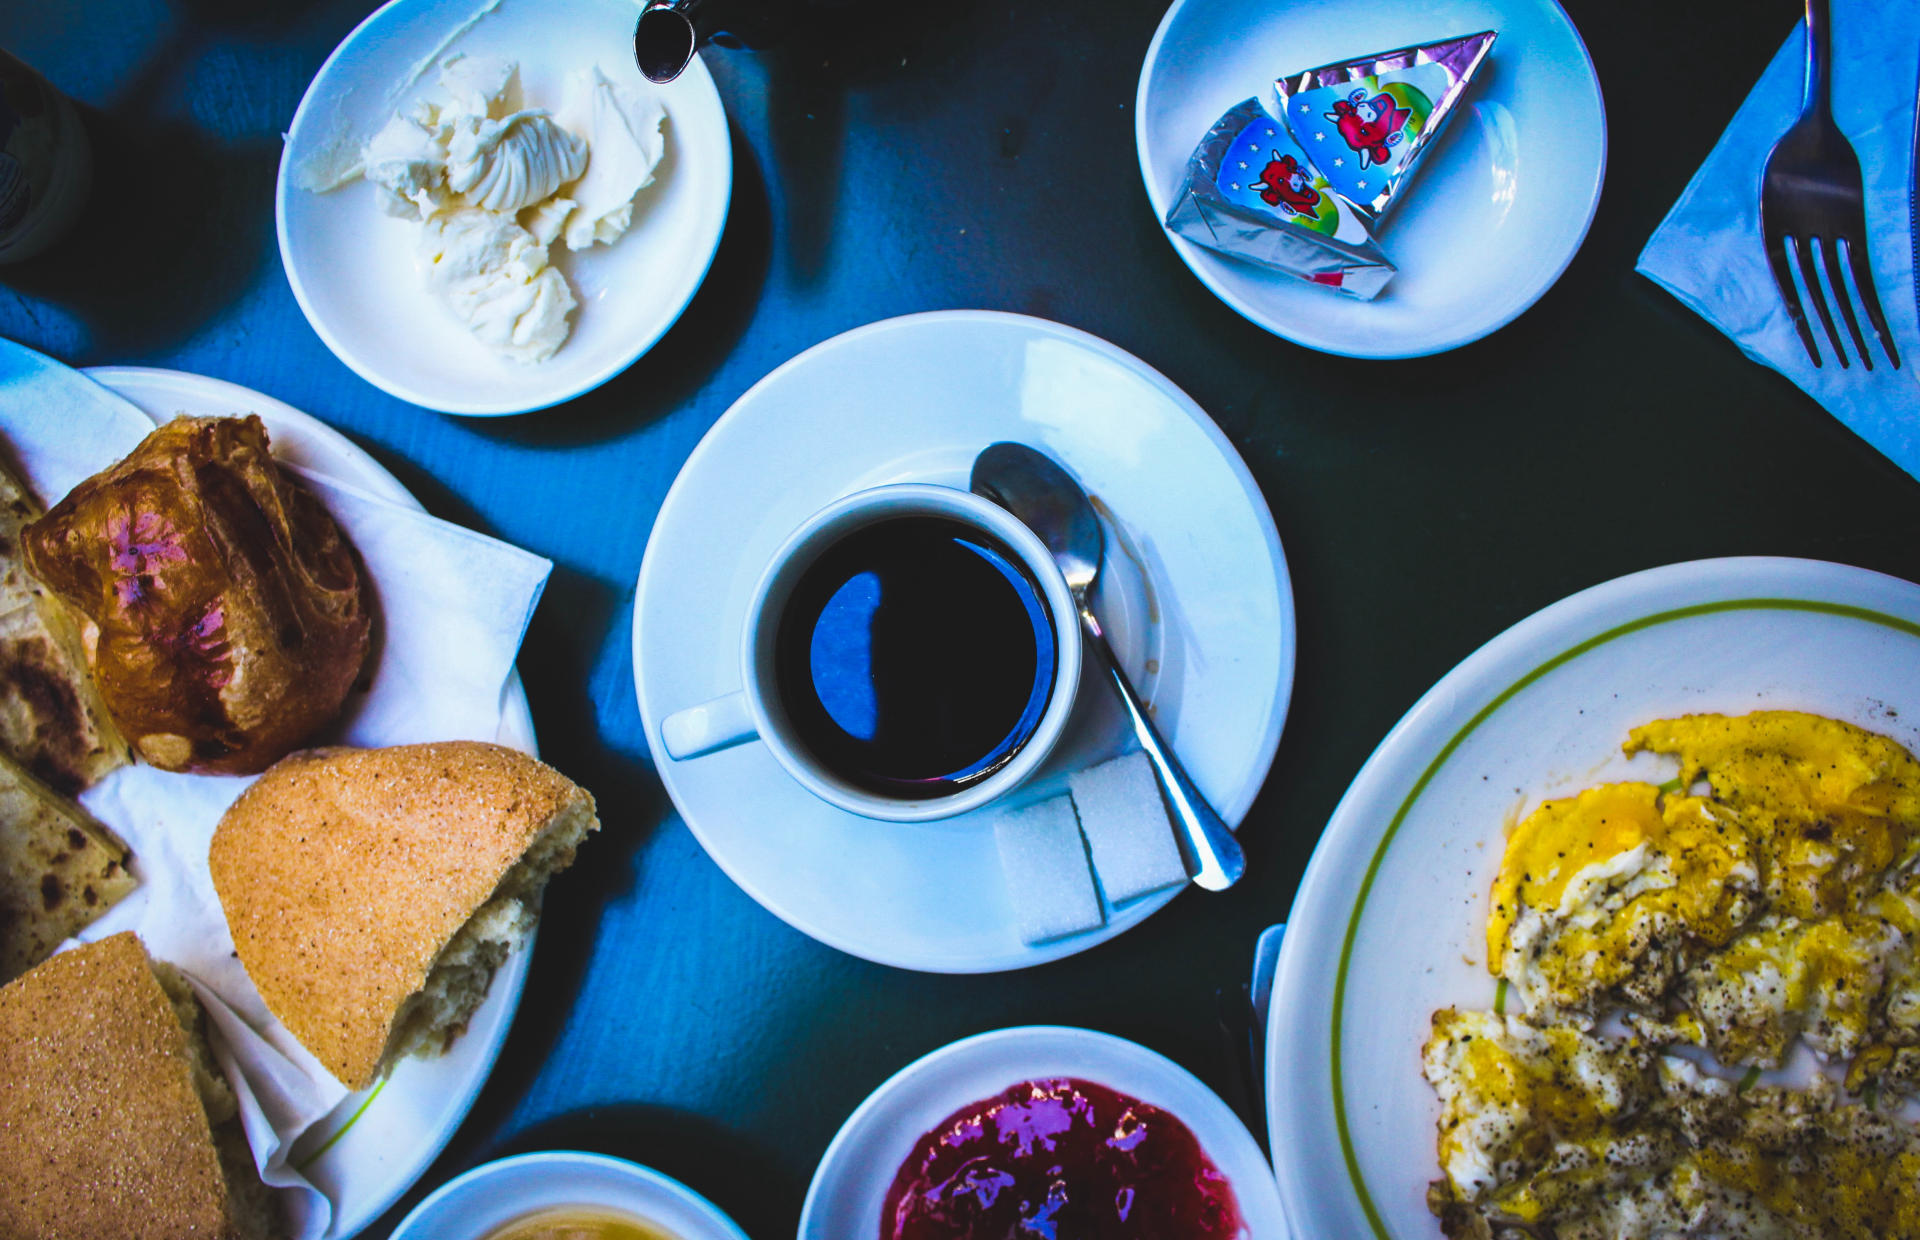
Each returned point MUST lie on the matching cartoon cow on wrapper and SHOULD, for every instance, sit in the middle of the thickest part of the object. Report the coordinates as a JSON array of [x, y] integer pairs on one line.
[[1283, 183], [1371, 127]]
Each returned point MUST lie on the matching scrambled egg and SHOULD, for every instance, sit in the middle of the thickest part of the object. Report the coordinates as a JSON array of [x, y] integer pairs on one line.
[[1788, 979], [1782, 907], [1834, 805], [1804, 1162], [1547, 1130], [1775, 903], [1521, 1099], [1892, 1061], [1605, 896]]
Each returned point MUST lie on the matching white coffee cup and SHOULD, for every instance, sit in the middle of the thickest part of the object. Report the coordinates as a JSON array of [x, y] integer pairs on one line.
[[756, 710]]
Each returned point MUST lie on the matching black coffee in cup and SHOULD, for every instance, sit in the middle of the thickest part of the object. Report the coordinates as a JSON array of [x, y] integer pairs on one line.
[[915, 656]]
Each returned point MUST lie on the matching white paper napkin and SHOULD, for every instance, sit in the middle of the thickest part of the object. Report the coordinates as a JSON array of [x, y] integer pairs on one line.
[[61, 427], [452, 609], [1708, 253]]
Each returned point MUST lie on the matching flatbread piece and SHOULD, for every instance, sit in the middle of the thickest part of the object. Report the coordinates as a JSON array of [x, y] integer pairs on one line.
[[59, 870], [52, 720]]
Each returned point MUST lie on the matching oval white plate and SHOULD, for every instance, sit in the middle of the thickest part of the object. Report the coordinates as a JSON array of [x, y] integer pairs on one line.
[[351, 266], [851, 1183], [377, 1142], [1489, 223], [1195, 596], [472, 1205], [1390, 921]]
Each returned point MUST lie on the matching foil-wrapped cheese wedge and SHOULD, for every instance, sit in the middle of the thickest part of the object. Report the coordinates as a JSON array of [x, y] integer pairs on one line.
[[1253, 194]]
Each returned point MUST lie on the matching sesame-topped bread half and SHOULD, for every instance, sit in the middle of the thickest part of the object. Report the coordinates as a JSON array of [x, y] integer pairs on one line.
[[226, 615], [52, 720], [373, 892], [114, 1121]]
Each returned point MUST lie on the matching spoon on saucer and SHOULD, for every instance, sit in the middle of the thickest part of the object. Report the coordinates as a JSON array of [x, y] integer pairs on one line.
[[1031, 486]]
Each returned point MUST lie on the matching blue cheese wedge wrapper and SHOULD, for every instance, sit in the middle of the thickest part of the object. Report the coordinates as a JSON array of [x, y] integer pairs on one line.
[[1252, 193], [1367, 123], [1048, 878], [1125, 822]]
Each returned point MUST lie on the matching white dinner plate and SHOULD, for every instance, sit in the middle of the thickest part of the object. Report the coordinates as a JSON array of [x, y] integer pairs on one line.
[[1390, 921], [470, 1206], [1195, 596], [351, 266], [850, 1185], [1484, 229], [379, 1141]]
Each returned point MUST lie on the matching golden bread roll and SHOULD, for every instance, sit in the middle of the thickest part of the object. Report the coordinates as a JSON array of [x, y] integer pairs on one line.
[[225, 612], [372, 892], [113, 1121]]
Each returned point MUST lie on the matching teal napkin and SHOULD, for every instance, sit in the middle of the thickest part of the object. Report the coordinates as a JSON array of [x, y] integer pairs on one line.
[[1707, 251]]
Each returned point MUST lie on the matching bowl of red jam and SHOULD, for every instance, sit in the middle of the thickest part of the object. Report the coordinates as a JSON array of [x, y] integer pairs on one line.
[[1044, 1132]]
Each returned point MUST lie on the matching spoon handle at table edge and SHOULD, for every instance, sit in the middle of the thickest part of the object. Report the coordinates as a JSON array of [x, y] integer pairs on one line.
[[1213, 857]]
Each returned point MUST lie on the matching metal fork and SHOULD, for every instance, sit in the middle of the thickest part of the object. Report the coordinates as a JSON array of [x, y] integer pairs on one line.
[[1811, 193]]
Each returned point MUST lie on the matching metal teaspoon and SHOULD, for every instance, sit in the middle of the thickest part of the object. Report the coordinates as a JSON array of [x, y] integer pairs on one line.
[[1046, 499]]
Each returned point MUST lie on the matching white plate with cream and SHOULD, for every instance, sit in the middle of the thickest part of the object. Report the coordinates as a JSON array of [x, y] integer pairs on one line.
[[1390, 920], [1195, 596], [352, 267], [1487, 225], [376, 1143]]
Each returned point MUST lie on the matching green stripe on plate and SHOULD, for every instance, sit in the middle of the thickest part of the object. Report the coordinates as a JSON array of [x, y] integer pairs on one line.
[[353, 1119], [1447, 751]]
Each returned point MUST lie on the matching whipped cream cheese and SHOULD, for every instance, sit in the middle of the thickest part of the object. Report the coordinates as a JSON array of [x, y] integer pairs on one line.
[[494, 276], [493, 183], [406, 161], [513, 162], [629, 140]]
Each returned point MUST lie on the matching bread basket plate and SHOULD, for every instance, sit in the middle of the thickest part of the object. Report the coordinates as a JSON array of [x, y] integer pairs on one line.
[[352, 267], [1390, 920], [376, 1143]]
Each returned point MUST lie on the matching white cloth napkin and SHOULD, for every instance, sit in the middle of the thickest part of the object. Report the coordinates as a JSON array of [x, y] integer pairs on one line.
[[1707, 252], [452, 606]]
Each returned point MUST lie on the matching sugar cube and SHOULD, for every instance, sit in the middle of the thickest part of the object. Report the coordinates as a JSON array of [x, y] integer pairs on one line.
[[1126, 826], [1047, 873]]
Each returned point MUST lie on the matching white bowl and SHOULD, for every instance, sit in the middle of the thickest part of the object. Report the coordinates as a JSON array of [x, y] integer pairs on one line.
[[844, 1200], [351, 266], [490, 1196], [1488, 226]]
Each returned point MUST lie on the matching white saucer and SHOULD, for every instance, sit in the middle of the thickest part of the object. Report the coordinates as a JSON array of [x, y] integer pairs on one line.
[[1206, 629], [1390, 921], [377, 1142], [352, 268], [1488, 225], [470, 1206], [853, 1177]]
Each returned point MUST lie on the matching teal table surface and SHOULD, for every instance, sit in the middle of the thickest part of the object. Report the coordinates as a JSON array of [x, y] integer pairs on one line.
[[966, 155]]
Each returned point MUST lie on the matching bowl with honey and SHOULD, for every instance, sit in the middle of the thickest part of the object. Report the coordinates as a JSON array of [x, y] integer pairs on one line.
[[565, 1195]]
